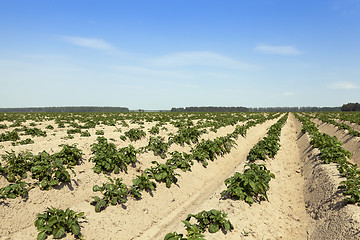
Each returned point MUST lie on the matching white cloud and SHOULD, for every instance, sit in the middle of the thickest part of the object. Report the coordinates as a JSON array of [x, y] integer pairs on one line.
[[95, 43], [288, 93], [342, 85], [150, 73], [282, 50], [206, 58]]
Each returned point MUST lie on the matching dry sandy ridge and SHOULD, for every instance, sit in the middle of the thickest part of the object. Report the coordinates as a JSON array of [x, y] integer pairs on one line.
[[293, 209], [350, 143]]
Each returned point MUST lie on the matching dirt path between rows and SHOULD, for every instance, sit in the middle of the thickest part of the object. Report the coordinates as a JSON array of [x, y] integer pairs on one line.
[[200, 185], [282, 217], [138, 219]]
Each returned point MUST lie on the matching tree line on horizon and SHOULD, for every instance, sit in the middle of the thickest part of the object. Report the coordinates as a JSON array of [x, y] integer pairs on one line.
[[350, 107], [66, 109], [345, 107], [260, 109]]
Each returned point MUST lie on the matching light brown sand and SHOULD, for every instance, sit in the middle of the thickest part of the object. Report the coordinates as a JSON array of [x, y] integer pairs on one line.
[[284, 216]]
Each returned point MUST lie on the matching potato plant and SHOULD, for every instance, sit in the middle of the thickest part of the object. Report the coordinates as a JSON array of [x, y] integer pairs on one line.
[[179, 160], [85, 133], [154, 130], [135, 134], [249, 186], [128, 154], [186, 135], [158, 146], [115, 192], [34, 132], [269, 145], [23, 142], [212, 220], [50, 171], [69, 154], [99, 132], [140, 183], [9, 136], [57, 222], [332, 152], [73, 131], [16, 165], [14, 190], [210, 149], [163, 173], [106, 157]]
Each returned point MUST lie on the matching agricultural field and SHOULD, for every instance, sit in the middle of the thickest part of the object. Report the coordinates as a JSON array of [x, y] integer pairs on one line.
[[177, 176]]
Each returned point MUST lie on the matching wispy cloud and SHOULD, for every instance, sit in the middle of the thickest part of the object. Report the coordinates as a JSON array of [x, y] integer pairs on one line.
[[206, 58], [282, 50], [286, 94], [94, 43], [342, 85], [150, 73]]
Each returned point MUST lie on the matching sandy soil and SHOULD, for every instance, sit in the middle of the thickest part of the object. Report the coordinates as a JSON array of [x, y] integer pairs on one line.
[[283, 216], [289, 214], [351, 144], [331, 218]]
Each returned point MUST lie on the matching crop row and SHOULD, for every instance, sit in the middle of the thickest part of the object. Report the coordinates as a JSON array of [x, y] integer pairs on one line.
[[250, 186], [341, 126], [332, 152], [253, 183], [50, 170]]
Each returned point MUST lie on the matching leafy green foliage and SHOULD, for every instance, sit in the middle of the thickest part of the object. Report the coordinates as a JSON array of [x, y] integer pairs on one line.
[[269, 145], [114, 193], [330, 148], [163, 173], [50, 171], [128, 154], [332, 152], [50, 127], [209, 150], [58, 222], [23, 142], [341, 126], [158, 146], [351, 188], [16, 166], [70, 155], [250, 186], [34, 132], [14, 190], [85, 133], [241, 130], [180, 160], [140, 183], [106, 157], [73, 131], [154, 130], [9, 136], [135, 134], [99, 132], [186, 135], [193, 233], [212, 220]]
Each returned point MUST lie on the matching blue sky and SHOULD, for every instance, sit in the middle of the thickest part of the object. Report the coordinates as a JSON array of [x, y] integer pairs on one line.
[[159, 54]]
